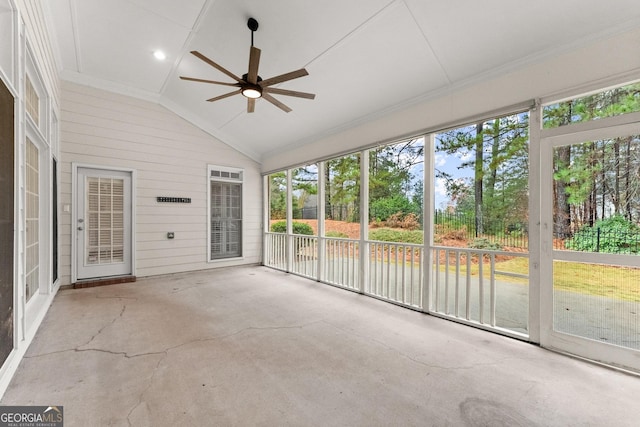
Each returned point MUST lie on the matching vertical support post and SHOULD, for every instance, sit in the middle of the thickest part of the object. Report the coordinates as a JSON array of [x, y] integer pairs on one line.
[[290, 248], [364, 221], [537, 233], [321, 213], [266, 240], [427, 215]]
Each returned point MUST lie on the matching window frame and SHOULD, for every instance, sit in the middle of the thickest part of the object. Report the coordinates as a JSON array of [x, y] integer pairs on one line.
[[226, 170]]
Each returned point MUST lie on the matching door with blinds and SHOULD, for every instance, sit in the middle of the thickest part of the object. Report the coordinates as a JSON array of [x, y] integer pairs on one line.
[[103, 223]]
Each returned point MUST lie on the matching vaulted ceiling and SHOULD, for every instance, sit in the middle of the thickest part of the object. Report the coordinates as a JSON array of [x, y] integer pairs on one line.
[[364, 57]]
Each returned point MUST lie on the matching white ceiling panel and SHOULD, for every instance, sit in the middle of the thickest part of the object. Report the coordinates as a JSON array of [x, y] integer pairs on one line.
[[372, 74], [117, 39], [475, 37], [183, 12], [364, 57]]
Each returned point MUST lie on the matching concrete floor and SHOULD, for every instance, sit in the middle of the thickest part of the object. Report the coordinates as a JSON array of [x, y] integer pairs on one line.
[[254, 346]]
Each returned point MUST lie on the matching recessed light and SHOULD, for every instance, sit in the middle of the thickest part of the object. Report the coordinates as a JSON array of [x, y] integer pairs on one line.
[[159, 55]]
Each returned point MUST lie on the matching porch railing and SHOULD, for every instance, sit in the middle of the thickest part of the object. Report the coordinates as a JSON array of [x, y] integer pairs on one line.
[[305, 256], [482, 287], [467, 285], [395, 272], [341, 262], [275, 250]]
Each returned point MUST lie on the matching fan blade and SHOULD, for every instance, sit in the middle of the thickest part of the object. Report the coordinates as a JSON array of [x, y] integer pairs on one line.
[[226, 95], [289, 93], [254, 61], [193, 79], [216, 66], [275, 102], [284, 77], [251, 105]]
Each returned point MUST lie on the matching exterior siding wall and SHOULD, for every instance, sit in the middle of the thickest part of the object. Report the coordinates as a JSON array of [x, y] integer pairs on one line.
[[170, 157]]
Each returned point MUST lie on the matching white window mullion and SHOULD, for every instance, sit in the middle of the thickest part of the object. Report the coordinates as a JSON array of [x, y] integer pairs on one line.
[[427, 221], [321, 225], [536, 272], [290, 250], [364, 221]]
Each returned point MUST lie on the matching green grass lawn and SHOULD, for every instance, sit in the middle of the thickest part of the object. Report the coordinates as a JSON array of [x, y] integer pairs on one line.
[[591, 279], [601, 280]]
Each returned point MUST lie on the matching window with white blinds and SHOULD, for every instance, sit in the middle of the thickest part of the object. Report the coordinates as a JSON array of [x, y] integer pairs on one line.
[[32, 213], [32, 101], [225, 237]]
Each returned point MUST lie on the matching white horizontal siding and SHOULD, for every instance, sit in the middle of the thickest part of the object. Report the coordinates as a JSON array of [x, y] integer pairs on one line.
[[170, 157]]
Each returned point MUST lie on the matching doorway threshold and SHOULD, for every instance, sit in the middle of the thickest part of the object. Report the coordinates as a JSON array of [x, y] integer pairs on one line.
[[90, 283]]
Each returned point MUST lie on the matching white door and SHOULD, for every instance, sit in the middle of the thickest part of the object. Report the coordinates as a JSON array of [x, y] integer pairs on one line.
[[589, 292], [103, 223]]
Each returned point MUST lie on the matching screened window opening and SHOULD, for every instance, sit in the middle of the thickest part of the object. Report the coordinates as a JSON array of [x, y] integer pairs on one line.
[[226, 214], [608, 103]]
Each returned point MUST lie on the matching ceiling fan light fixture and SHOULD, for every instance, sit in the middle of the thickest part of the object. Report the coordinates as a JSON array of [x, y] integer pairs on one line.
[[251, 84], [252, 92]]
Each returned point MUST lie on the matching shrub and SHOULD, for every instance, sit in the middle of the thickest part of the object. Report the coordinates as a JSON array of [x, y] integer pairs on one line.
[[298, 228], [376, 223], [611, 235], [484, 243], [394, 220], [446, 231], [384, 207], [410, 222], [333, 233], [400, 236]]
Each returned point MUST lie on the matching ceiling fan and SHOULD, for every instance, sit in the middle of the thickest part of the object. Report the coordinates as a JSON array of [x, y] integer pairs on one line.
[[251, 85]]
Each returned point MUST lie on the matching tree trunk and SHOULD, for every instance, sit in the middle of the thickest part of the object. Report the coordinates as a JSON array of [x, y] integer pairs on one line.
[[478, 179], [603, 178], [562, 209], [493, 165], [616, 184], [562, 223], [328, 214], [627, 187]]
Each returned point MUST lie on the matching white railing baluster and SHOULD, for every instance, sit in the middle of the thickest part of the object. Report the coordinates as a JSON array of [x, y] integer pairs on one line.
[[420, 276], [395, 273], [493, 290], [468, 295], [437, 281], [388, 285], [409, 297], [447, 254], [457, 295], [481, 285]]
